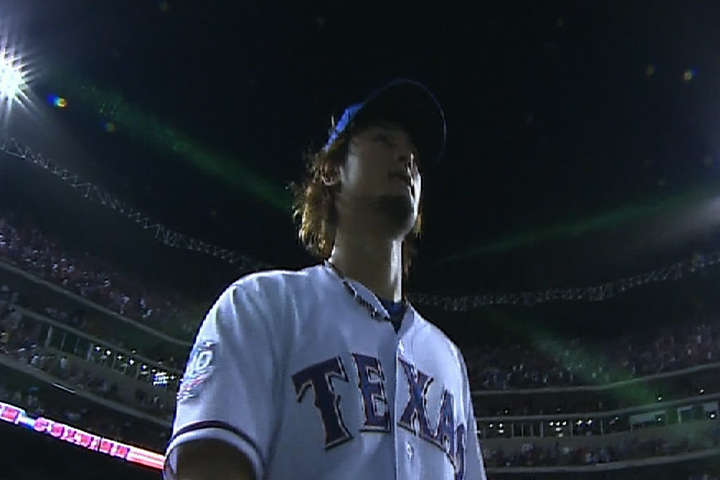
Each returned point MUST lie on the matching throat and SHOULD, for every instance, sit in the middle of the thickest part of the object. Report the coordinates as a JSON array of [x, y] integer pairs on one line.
[[379, 269]]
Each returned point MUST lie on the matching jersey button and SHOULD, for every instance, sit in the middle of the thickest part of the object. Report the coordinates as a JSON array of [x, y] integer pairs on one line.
[[409, 449]]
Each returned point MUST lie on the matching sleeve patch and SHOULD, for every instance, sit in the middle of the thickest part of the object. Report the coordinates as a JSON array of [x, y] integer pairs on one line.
[[199, 369]]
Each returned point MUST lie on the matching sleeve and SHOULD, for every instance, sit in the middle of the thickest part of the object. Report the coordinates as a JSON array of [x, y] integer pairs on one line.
[[474, 464], [231, 381], [475, 467]]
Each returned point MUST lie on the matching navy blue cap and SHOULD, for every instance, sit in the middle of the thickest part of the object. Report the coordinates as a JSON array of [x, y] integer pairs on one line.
[[409, 104]]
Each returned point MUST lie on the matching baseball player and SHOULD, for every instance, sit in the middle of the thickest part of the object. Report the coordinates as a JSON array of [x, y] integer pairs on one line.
[[328, 372]]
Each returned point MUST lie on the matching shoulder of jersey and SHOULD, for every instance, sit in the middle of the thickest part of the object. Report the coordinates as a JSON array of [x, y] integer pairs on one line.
[[444, 338], [277, 278]]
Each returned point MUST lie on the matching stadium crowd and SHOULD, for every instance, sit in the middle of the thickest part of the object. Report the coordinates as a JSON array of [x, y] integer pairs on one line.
[[26, 247], [627, 357], [38, 401], [19, 340], [490, 367], [79, 320], [628, 448]]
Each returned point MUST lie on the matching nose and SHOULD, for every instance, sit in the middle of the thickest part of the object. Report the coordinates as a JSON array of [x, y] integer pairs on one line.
[[406, 157]]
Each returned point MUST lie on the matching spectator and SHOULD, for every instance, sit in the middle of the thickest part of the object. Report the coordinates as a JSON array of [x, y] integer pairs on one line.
[[30, 249], [523, 367]]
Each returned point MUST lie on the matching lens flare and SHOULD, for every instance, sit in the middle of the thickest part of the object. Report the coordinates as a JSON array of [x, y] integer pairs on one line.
[[12, 80], [58, 101], [14, 75]]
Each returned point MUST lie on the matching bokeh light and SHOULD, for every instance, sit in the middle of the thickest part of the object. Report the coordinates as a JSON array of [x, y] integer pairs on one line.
[[58, 101]]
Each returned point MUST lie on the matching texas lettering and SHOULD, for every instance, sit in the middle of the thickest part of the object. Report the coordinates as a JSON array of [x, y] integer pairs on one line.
[[448, 436]]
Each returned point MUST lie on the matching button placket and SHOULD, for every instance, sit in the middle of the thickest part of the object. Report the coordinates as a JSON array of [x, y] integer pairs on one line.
[[401, 463]]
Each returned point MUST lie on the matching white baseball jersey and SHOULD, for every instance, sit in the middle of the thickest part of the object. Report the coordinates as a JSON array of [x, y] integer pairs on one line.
[[289, 368]]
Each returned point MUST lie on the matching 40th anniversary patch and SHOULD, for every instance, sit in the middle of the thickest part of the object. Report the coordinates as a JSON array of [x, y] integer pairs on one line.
[[199, 368]]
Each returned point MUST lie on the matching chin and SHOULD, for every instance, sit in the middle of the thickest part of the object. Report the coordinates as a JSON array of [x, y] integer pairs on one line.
[[400, 211]]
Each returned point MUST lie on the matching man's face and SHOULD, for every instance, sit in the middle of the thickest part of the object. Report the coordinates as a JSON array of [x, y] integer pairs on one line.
[[382, 171]]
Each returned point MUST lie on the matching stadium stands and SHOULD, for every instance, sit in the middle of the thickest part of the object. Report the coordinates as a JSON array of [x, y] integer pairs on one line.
[[518, 367], [28, 248], [97, 350]]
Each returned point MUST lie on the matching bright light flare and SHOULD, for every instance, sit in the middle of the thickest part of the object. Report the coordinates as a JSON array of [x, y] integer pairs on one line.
[[12, 81]]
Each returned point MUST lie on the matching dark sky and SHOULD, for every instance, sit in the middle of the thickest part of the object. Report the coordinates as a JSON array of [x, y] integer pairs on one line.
[[582, 145]]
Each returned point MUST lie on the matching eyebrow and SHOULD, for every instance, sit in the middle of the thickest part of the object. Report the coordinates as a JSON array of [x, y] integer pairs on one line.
[[394, 129], [389, 126]]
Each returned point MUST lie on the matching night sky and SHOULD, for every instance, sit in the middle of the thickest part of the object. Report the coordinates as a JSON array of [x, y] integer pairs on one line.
[[582, 135]]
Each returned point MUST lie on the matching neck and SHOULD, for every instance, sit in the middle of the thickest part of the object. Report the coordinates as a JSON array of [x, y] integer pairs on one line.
[[376, 263]]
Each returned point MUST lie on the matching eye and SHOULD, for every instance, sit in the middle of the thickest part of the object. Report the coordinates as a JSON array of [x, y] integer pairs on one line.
[[384, 138]]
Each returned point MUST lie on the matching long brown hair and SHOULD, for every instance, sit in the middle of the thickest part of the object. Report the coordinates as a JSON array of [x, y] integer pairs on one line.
[[314, 204]]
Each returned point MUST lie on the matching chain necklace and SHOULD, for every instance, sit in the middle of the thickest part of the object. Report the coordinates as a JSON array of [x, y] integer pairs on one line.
[[374, 312]]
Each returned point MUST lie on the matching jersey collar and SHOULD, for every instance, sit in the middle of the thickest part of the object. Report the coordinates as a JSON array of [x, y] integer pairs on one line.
[[369, 296]]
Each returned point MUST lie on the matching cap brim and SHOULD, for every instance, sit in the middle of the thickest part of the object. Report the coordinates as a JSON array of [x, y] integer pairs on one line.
[[413, 107]]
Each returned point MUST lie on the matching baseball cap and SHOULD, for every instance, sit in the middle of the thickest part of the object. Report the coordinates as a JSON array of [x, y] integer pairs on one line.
[[408, 103]]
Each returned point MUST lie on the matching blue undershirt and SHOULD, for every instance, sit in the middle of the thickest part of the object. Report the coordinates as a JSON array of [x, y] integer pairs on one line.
[[396, 311]]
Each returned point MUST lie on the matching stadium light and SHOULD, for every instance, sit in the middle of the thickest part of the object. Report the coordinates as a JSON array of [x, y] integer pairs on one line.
[[11, 78]]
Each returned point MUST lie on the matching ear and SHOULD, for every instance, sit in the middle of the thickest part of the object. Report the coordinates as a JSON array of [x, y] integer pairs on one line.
[[330, 176]]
